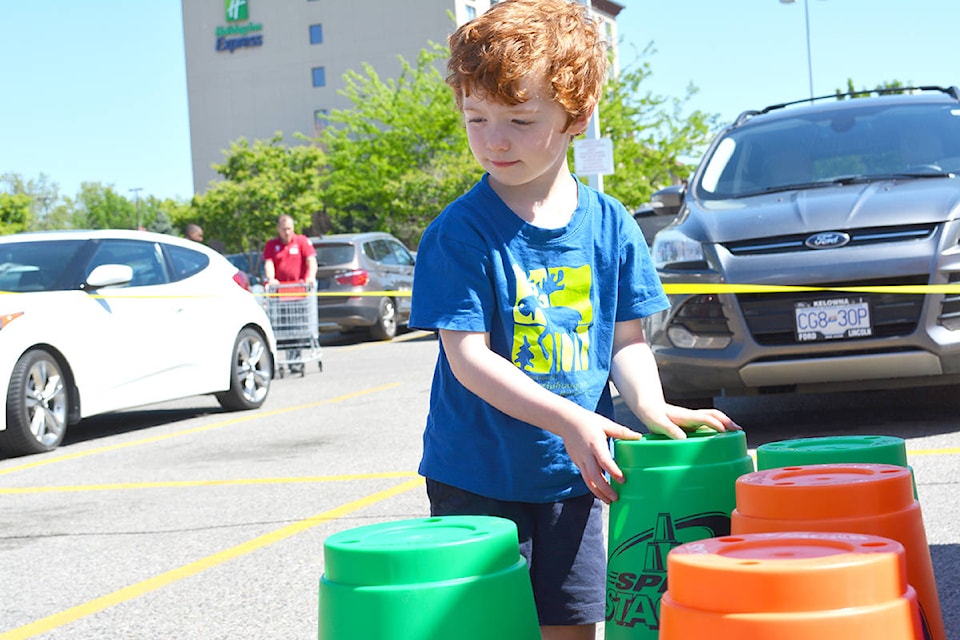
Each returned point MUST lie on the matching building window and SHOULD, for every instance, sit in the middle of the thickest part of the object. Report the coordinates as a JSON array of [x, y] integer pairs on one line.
[[316, 34], [320, 119], [319, 76], [471, 12]]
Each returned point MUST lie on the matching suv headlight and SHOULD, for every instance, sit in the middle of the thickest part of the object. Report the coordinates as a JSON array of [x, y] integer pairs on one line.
[[700, 323], [673, 250]]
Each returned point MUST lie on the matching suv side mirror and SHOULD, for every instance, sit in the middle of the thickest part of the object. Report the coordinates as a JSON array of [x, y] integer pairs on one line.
[[667, 201]]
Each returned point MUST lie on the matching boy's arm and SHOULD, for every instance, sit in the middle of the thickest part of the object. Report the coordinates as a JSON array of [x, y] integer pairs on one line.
[[635, 374], [508, 389]]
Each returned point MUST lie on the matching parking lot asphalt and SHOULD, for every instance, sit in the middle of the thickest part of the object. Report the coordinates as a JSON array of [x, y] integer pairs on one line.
[[179, 520]]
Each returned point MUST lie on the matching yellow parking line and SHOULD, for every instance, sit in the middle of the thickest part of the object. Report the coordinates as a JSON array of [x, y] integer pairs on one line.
[[179, 484], [209, 427], [933, 452], [406, 337], [152, 584]]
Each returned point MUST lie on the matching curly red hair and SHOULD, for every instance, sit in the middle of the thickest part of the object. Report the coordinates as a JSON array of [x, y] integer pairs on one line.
[[494, 53]]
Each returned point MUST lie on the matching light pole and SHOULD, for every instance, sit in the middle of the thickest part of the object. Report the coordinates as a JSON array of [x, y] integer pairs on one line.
[[806, 18], [136, 195]]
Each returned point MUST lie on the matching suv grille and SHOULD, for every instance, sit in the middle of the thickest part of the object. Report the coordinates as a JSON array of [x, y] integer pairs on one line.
[[771, 318], [858, 237], [950, 307]]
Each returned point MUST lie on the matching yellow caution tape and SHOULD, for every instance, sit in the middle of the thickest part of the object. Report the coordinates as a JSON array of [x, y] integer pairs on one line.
[[689, 288], [680, 288]]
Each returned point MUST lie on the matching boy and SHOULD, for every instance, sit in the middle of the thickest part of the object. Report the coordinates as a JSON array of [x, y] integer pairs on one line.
[[537, 285]]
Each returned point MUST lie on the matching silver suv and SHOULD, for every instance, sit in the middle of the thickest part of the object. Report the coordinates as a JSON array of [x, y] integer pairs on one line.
[[374, 273], [816, 249]]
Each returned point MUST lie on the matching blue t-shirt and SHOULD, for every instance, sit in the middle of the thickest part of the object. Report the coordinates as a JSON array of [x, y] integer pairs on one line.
[[549, 299]]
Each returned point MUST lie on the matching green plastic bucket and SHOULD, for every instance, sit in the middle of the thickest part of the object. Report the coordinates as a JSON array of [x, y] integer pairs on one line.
[[866, 449], [832, 450], [449, 578], [674, 492]]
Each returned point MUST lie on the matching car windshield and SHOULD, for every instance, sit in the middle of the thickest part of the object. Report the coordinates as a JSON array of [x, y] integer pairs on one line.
[[842, 146], [36, 266]]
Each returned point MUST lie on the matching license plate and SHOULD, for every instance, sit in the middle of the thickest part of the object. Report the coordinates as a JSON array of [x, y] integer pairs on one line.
[[832, 319]]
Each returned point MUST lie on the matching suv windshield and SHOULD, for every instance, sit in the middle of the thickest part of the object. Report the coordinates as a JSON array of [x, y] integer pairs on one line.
[[833, 146]]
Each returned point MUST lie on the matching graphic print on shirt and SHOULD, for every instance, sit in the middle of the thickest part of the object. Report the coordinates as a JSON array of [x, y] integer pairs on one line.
[[552, 318]]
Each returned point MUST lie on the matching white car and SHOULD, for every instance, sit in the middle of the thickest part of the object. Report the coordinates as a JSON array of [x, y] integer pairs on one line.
[[98, 321]]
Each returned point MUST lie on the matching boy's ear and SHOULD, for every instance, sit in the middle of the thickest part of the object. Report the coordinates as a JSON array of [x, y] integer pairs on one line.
[[580, 125]]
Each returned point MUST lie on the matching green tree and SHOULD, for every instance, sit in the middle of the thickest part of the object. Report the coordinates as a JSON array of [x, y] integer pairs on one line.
[[652, 138], [14, 212], [99, 206], [177, 214], [891, 86], [261, 181], [399, 155], [44, 197], [395, 159]]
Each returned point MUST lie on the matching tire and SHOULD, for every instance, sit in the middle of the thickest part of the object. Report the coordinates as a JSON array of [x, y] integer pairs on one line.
[[250, 369], [385, 328], [37, 405]]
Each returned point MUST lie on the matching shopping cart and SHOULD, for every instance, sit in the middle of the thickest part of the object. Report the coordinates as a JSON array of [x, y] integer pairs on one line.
[[292, 309]]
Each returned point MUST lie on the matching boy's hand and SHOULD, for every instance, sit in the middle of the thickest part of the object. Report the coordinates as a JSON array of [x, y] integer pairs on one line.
[[676, 421], [588, 447]]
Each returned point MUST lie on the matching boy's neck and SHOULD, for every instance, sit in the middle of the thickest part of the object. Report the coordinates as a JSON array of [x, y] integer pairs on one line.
[[546, 206]]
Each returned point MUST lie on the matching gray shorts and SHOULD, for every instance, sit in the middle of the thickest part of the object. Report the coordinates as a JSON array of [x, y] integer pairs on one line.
[[561, 541]]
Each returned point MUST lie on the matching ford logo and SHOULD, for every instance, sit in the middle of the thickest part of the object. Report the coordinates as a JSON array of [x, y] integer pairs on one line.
[[827, 240]]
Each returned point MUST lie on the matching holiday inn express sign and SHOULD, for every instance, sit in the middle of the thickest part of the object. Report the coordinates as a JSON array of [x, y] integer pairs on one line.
[[239, 32]]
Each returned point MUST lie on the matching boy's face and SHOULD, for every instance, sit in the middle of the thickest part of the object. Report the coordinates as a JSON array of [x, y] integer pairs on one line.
[[520, 145]]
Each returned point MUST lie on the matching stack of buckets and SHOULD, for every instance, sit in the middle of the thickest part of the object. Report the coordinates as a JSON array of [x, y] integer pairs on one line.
[[825, 540]]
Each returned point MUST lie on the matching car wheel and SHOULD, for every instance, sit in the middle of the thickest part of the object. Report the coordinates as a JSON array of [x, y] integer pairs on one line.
[[37, 405], [249, 372], [385, 328]]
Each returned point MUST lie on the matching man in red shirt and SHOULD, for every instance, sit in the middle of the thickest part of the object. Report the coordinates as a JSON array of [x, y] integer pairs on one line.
[[289, 257]]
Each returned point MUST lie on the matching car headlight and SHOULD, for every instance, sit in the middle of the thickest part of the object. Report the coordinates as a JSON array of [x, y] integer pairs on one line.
[[674, 250]]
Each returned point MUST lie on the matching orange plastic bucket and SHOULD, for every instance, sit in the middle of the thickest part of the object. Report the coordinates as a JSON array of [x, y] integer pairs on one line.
[[874, 499], [868, 449], [789, 586]]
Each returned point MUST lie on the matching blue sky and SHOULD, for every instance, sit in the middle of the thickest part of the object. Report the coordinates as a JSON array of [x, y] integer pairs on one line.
[[96, 91]]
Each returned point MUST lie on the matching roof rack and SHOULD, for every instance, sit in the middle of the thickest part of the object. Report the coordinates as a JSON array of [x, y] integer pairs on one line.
[[952, 91]]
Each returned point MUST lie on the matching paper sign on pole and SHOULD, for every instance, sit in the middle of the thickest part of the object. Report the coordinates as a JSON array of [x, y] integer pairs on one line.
[[593, 156]]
